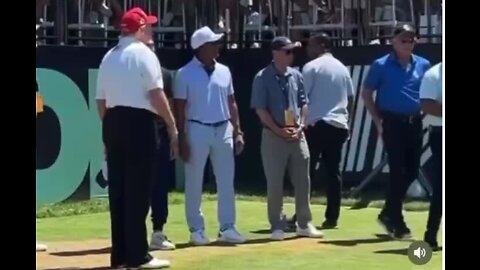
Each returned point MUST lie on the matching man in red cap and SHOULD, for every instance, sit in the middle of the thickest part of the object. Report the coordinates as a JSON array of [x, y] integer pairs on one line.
[[130, 98]]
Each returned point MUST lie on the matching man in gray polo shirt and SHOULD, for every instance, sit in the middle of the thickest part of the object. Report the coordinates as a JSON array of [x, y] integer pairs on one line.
[[329, 89], [280, 102]]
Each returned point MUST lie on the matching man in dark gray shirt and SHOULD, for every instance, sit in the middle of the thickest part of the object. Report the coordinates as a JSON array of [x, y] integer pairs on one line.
[[280, 102]]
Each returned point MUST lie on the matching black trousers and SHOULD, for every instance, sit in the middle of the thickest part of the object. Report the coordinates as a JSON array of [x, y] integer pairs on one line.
[[326, 142], [402, 137], [163, 181], [130, 140], [435, 213]]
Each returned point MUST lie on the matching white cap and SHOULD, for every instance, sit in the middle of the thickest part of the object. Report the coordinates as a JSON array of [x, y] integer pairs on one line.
[[202, 36]]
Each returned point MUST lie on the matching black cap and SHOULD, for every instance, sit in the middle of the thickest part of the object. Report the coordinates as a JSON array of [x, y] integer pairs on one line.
[[322, 38], [282, 43], [404, 28]]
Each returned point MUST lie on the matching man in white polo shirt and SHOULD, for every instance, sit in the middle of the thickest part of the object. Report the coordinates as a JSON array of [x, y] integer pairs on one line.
[[209, 126], [329, 89], [130, 98], [431, 99]]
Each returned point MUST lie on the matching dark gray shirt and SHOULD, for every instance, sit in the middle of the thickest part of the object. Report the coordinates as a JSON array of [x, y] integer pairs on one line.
[[276, 93]]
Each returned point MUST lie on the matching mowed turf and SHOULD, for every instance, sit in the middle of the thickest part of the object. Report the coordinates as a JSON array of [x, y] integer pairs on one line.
[[357, 244]]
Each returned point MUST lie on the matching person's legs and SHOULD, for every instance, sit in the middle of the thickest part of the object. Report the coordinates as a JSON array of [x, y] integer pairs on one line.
[[140, 170], [159, 204], [115, 155], [160, 186], [394, 146], [298, 167], [223, 165], [413, 134], [435, 213], [331, 156], [199, 138], [275, 155]]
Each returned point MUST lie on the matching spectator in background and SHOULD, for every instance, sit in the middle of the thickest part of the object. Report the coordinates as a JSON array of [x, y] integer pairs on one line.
[[279, 100], [166, 173], [395, 78], [431, 97]]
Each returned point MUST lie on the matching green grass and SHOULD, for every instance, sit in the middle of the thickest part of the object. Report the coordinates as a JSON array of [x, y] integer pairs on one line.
[[100, 205], [353, 246]]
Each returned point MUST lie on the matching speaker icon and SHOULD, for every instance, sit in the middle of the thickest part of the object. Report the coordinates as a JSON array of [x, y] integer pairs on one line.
[[419, 252]]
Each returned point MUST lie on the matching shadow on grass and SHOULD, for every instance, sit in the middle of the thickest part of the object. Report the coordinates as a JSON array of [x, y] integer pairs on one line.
[[78, 268], [401, 251], [223, 244], [379, 238], [75, 253]]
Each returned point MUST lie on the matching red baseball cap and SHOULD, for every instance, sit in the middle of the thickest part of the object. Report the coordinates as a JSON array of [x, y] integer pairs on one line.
[[135, 18]]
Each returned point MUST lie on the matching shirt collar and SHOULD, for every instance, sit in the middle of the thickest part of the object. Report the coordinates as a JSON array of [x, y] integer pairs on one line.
[[393, 57], [127, 40], [197, 62], [275, 72]]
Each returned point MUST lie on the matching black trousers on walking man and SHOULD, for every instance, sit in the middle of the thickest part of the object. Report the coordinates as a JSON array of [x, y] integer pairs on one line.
[[325, 143], [435, 213], [130, 139], [402, 137]]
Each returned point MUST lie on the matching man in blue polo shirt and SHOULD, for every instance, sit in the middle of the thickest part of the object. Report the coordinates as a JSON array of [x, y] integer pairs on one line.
[[396, 78]]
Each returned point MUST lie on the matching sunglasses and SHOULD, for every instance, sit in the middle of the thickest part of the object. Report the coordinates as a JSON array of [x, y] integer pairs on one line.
[[409, 41]]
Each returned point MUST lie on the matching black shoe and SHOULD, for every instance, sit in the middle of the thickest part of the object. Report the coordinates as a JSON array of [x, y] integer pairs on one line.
[[329, 224], [291, 223], [431, 239], [402, 232], [386, 224]]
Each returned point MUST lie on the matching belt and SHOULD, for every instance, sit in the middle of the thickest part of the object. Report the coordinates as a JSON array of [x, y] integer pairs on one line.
[[216, 124], [401, 117]]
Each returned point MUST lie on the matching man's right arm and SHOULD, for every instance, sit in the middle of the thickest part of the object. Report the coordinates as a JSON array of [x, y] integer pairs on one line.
[[258, 102], [100, 95], [370, 85]]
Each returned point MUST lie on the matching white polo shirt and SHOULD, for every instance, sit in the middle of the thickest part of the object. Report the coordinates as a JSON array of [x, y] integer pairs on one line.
[[126, 75], [206, 96], [431, 88]]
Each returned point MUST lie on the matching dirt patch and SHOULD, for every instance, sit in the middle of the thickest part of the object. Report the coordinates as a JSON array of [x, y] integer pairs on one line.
[[95, 254]]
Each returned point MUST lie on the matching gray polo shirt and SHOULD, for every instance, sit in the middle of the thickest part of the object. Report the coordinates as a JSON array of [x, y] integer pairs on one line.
[[327, 85], [276, 93]]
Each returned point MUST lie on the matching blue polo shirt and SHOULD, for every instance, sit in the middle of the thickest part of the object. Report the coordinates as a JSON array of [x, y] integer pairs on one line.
[[398, 88]]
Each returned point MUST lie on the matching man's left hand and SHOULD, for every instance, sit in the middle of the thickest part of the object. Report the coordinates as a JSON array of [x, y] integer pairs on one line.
[[239, 144]]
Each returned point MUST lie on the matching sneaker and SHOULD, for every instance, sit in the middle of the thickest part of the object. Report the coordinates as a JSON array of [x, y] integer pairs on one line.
[[431, 240], [278, 235], [402, 232], [291, 223], [199, 238], [386, 224], [161, 242], [310, 232], [231, 236], [153, 264], [41, 247], [329, 224]]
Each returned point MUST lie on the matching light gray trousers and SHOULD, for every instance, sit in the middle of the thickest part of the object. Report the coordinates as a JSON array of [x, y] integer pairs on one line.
[[216, 142], [277, 155]]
